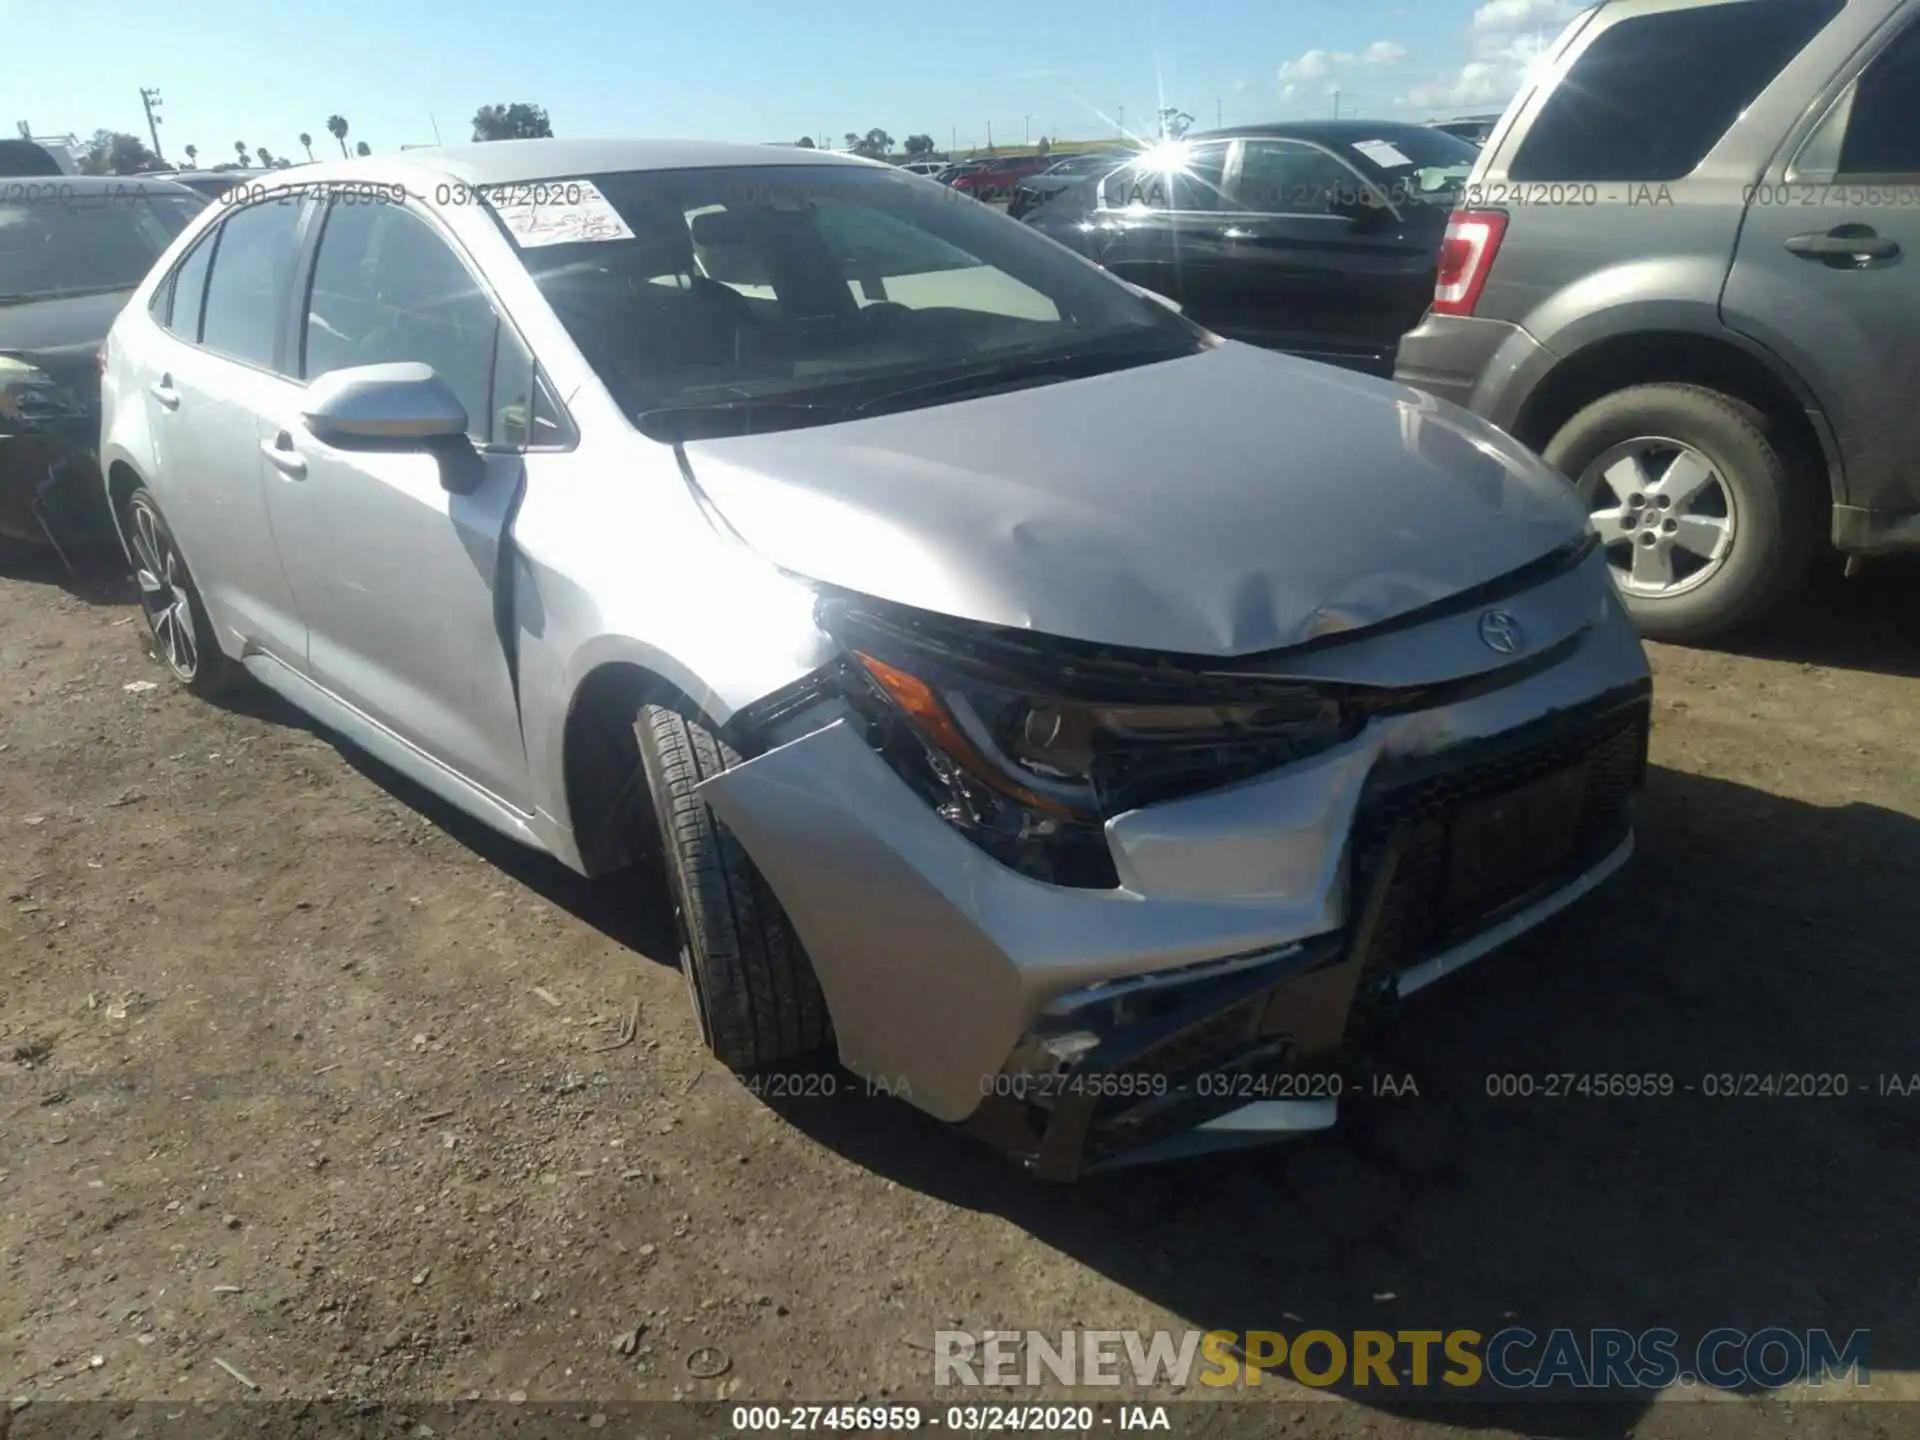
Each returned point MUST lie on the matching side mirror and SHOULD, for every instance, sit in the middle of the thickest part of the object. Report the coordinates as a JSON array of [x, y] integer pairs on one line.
[[400, 406], [1366, 212]]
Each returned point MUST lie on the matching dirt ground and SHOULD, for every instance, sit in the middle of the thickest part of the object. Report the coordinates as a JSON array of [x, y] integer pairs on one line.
[[303, 1073]]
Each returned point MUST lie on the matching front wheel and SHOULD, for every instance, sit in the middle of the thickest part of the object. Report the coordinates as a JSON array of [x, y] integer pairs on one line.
[[1700, 511], [753, 989], [183, 636]]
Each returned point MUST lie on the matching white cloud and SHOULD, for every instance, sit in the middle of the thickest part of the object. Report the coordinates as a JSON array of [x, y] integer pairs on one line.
[[1510, 15], [1329, 65], [1314, 65], [1509, 39]]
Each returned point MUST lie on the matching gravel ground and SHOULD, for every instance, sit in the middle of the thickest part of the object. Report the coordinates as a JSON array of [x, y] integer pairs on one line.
[[304, 1075]]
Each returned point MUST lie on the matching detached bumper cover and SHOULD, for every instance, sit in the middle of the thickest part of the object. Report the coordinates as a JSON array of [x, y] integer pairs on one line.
[[1254, 926], [50, 482]]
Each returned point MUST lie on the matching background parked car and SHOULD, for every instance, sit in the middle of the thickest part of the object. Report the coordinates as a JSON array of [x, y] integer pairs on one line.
[[996, 179], [928, 168], [1316, 238], [1083, 169], [28, 157], [1705, 312], [215, 183], [1474, 129], [72, 248], [953, 171]]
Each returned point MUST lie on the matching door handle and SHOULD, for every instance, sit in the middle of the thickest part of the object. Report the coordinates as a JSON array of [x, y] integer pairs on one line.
[[1859, 243], [284, 458], [163, 391]]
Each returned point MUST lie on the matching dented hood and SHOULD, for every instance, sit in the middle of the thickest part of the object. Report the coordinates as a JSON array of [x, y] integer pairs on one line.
[[1223, 504]]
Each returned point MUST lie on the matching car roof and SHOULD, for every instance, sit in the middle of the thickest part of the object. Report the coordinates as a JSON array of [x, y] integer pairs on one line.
[[1340, 132], [507, 162], [152, 183]]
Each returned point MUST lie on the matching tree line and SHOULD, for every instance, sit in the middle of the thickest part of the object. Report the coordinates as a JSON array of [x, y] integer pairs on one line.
[[117, 152]]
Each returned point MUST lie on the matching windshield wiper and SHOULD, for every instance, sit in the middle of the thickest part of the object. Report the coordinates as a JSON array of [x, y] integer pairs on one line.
[[667, 422], [1026, 370]]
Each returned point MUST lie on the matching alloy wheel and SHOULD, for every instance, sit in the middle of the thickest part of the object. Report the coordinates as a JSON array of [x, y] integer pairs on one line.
[[162, 577], [1664, 513]]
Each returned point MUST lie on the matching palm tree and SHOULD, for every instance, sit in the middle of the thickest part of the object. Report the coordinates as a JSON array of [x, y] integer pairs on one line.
[[266, 158], [360, 148], [337, 127], [193, 154], [240, 149], [306, 144]]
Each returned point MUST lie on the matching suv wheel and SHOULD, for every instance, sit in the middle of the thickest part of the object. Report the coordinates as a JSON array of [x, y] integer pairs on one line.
[[753, 989], [183, 636], [1701, 515]]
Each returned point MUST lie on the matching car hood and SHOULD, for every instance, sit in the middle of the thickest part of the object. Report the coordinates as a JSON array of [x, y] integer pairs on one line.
[[1223, 504], [59, 324]]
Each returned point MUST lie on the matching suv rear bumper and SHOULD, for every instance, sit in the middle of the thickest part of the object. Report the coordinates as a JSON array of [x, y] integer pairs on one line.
[[1861, 531], [1486, 366]]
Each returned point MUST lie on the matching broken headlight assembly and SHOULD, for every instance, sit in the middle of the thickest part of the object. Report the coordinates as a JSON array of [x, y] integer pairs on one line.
[[31, 398], [1028, 753]]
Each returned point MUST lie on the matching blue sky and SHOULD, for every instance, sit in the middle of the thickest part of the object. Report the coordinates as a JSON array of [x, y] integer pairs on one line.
[[265, 70]]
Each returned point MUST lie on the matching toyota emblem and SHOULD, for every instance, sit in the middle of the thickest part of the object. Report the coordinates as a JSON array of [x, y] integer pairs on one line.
[[1501, 632]]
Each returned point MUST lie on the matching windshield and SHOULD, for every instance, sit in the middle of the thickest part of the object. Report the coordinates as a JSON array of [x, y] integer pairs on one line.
[[62, 243], [1421, 162], [773, 288]]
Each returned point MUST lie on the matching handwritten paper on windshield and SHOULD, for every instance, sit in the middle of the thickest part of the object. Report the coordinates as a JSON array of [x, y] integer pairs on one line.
[[561, 213], [1383, 153]]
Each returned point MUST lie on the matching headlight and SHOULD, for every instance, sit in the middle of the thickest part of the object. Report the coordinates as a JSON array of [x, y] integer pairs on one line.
[[30, 397], [1031, 760]]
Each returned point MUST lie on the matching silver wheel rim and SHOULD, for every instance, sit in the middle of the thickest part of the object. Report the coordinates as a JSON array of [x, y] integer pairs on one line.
[[1664, 513], [163, 595]]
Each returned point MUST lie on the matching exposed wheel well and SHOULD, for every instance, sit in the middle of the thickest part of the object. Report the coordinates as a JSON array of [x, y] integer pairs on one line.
[[121, 483], [607, 796], [1672, 358]]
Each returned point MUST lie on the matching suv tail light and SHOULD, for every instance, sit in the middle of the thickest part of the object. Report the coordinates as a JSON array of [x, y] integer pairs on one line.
[[1466, 258]]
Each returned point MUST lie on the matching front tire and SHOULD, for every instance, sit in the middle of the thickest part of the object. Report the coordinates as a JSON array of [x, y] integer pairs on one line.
[[753, 989], [1705, 519], [183, 637]]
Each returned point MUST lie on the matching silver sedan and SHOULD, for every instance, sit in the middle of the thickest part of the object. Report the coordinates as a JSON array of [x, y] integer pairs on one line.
[[1082, 724]]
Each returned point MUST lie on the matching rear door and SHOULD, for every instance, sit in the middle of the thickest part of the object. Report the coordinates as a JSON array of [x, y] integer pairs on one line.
[[1160, 229], [209, 375], [1318, 259], [1827, 270], [396, 577]]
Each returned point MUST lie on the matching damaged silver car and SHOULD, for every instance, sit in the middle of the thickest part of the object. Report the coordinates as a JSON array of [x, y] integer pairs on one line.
[[1080, 722]]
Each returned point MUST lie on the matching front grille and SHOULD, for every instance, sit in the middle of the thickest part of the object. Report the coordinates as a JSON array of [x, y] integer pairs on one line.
[[1608, 743]]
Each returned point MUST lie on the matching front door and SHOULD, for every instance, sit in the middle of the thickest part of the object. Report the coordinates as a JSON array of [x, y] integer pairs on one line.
[[395, 576], [1827, 270]]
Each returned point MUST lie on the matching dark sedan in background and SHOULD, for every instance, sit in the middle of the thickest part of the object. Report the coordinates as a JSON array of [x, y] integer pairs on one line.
[[1086, 168], [71, 250], [1320, 239]]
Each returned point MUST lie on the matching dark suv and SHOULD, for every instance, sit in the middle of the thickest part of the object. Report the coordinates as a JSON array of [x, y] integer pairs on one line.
[[1687, 271]]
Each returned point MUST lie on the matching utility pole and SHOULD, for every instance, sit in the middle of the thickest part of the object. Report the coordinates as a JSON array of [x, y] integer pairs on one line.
[[989, 134], [956, 142], [151, 100], [1123, 119], [1029, 120], [1219, 112], [1336, 104]]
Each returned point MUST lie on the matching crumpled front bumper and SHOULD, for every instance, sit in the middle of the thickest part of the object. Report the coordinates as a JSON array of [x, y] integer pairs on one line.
[[50, 485], [1252, 923]]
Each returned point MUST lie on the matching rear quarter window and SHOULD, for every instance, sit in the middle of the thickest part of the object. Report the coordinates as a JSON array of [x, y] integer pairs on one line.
[[1651, 95]]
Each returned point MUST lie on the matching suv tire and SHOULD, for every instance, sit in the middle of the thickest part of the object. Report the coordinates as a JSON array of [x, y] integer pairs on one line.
[[753, 989], [1775, 519]]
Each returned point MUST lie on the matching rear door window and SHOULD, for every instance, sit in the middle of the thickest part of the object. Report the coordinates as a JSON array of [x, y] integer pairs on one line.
[[189, 291], [1192, 183], [1653, 94], [1883, 132], [252, 272]]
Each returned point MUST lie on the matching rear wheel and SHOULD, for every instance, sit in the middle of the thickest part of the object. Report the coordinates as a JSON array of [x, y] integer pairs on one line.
[[753, 989], [183, 636], [1699, 507]]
